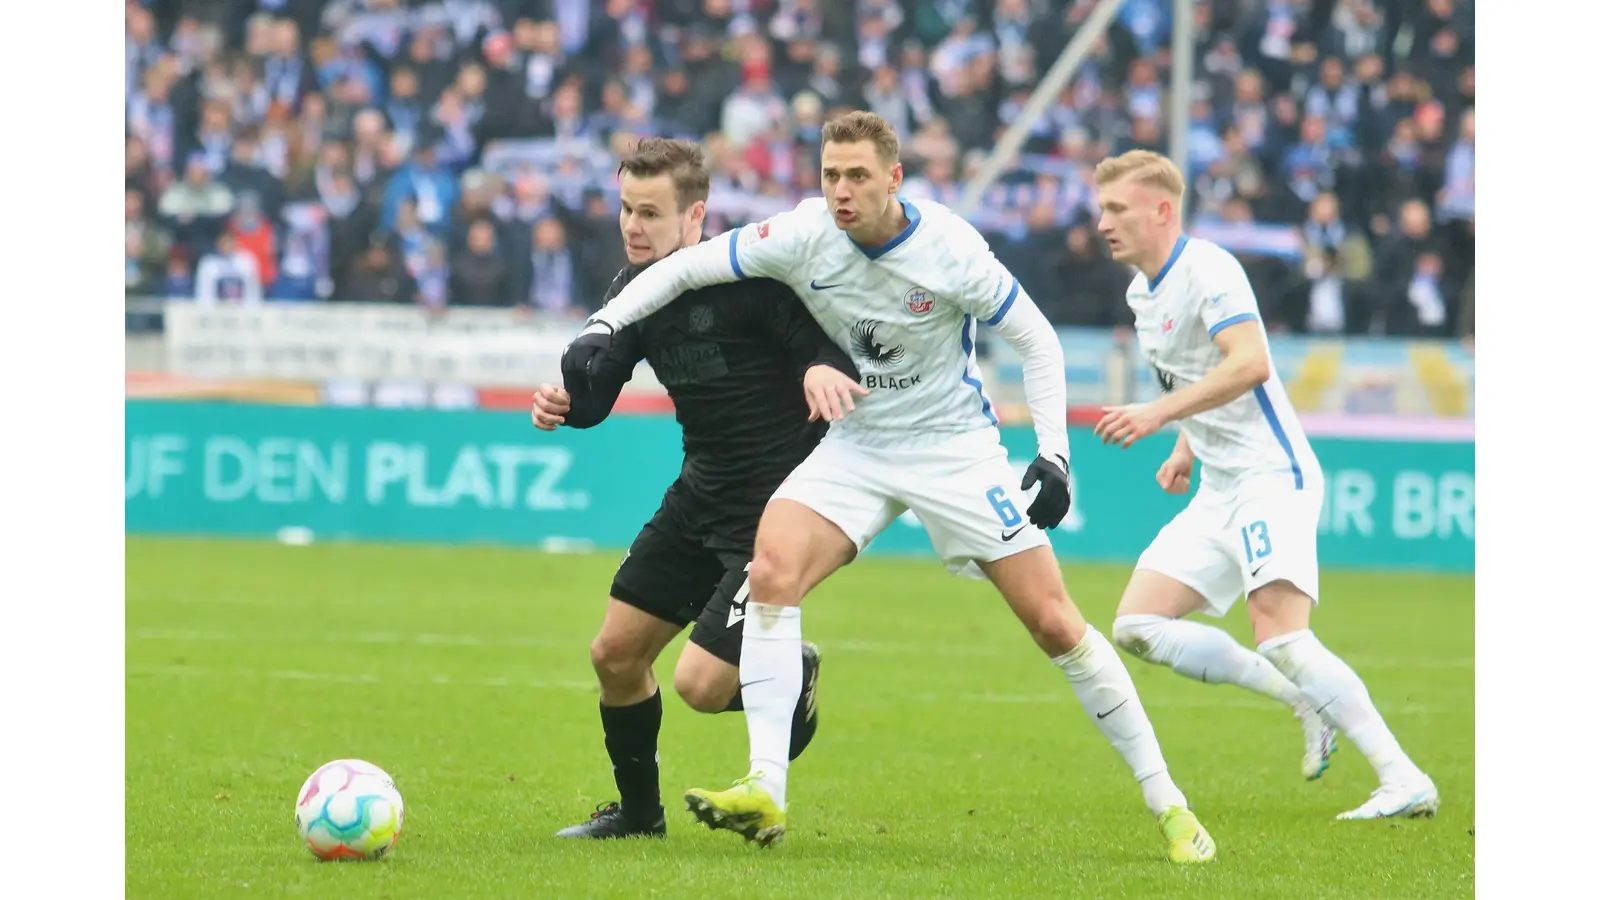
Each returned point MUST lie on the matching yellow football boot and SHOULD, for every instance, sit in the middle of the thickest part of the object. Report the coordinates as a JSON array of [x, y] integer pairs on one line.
[[1187, 840], [746, 808]]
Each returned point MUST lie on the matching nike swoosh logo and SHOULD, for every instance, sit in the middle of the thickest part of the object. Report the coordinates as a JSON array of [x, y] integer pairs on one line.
[[1111, 710], [1257, 570], [1008, 537], [822, 287], [745, 684]]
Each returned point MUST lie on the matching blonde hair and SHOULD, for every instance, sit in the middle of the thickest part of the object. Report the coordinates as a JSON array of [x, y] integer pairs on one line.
[[1145, 167], [860, 125]]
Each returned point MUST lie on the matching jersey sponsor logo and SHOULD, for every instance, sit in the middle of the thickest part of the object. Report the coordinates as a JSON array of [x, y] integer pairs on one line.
[[763, 229], [879, 354], [1166, 325], [694, 363], [890, 382], [919, 302]]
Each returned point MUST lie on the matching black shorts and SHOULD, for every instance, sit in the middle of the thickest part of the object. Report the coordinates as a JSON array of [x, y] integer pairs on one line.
[[686, 568]]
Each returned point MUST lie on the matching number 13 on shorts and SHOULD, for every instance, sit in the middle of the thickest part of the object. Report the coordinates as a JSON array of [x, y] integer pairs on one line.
[[1257, 543]]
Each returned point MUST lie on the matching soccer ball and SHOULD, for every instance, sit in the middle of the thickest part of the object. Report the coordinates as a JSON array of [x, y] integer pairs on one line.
[[349, 809]]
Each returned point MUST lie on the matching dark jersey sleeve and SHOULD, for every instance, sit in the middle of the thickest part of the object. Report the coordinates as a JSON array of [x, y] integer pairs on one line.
[[592, 403], [783, 315]]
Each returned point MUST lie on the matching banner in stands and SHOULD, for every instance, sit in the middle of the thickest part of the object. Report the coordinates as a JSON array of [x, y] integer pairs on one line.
[[474, 476], [337, 341]]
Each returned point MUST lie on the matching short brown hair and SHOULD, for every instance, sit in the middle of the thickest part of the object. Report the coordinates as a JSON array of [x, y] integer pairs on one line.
[[1145, 167], [860, 125], [685, 161]]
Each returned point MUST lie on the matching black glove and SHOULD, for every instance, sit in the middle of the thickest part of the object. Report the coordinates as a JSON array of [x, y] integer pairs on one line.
[[582, 355], [1055, 492]]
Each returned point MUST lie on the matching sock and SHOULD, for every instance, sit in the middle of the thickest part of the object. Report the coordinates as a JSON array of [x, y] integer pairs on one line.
[[736, 704], [1338, 694], [1203, 653], [631, 733], [769, 679], [1106, 691]]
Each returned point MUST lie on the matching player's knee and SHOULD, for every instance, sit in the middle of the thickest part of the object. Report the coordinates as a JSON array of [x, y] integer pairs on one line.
[[775, 577], [1136, 634], [617, 661], [1055, 628]]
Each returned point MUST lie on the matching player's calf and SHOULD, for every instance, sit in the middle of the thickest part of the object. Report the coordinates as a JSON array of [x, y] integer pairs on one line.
[[630, 715], [1338, 694], [706, 683]]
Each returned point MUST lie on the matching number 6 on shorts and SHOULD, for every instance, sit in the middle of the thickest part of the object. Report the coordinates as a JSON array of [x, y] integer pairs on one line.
[[1004, 508]]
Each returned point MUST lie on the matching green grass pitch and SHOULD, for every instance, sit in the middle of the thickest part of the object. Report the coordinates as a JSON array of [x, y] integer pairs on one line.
[[953, 760]]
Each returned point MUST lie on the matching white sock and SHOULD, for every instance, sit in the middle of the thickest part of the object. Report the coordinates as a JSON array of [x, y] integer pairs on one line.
[[1106, 691], [769, 681], [1338, 694], [1203, 653]]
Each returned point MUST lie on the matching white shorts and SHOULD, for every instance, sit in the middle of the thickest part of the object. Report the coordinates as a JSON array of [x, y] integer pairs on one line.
[[963, 490], [1227, 544]]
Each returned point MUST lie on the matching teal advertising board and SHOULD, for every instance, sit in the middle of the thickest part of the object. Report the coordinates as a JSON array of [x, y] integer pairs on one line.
[[489, 477]]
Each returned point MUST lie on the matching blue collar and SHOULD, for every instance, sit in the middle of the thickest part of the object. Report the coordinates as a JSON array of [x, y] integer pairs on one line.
[[1183, 241], [913, 218]]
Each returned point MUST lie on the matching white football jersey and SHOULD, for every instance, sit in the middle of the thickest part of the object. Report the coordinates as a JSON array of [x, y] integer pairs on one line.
[[1201, 290], [907, 312]]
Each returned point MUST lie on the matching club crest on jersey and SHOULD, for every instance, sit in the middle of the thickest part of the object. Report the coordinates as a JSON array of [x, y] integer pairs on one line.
[[763, 229], [700, 319], [919, 302], [1166, 325]]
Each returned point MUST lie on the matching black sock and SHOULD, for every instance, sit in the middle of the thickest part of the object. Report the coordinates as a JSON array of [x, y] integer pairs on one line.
[[631, 733]]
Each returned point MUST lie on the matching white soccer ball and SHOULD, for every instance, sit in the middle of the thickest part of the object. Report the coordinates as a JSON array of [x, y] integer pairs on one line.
[[349, 809]]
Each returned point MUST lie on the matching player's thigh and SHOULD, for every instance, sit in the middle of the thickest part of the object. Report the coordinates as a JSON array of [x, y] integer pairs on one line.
[[968, 498], [1277, 537], [1152, 593], [1193, 552], [827, 511]]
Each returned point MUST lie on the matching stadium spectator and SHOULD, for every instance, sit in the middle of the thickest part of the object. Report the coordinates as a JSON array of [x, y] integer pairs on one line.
[[1331, 143]]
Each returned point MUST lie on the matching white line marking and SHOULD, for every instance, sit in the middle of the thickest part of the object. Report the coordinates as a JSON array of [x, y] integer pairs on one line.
[[187, 636]]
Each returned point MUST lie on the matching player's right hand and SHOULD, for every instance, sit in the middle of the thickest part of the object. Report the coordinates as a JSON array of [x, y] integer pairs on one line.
[[1174, 474], [1055, 491], [550, 407], [828, 393], [581, 357]]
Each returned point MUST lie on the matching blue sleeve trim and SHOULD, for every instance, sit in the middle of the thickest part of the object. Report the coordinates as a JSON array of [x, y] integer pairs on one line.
[[1231, 320], [733, 252], [1016, 288]]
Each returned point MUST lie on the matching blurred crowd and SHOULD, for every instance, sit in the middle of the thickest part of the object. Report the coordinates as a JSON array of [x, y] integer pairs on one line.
[[462, 152]]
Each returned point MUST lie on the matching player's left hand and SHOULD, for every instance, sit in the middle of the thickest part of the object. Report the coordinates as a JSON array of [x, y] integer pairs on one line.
[[1055, 491], [550, 407], [586, 350], [1122, 425], [828, 393]]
